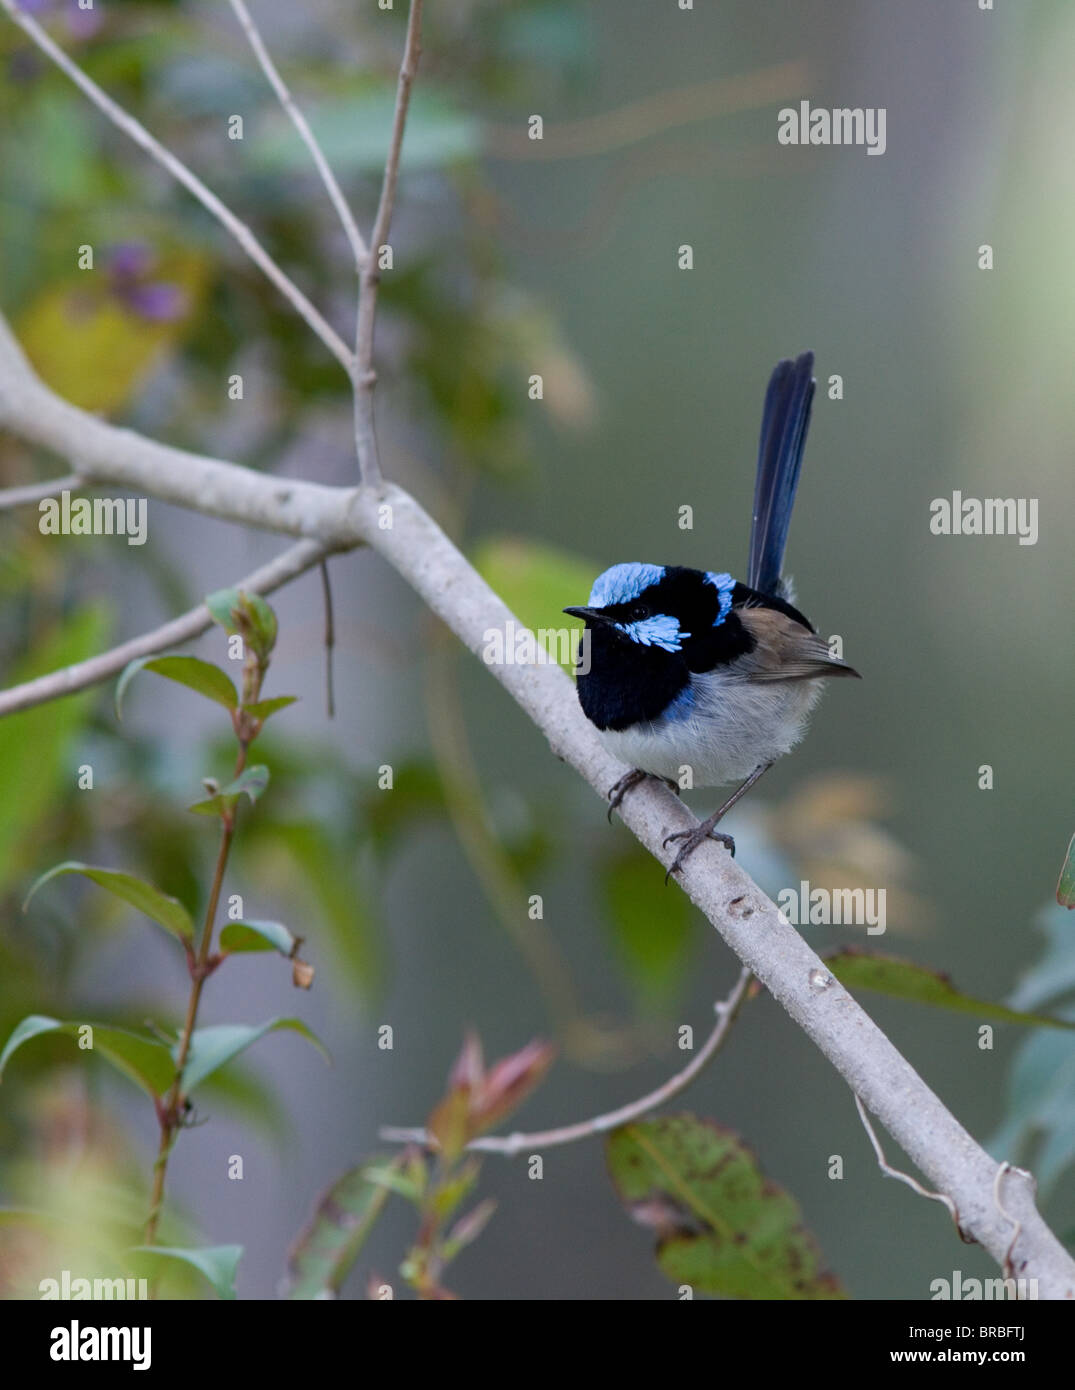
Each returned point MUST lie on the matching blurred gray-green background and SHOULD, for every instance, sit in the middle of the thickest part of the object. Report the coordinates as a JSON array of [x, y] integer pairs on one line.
[[514, 258]]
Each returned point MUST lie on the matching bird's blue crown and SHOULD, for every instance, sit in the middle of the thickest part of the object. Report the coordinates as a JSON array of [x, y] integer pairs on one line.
[[622, 583]]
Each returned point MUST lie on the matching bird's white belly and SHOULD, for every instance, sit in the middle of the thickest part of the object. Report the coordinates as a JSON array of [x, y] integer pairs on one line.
[[728, 729]]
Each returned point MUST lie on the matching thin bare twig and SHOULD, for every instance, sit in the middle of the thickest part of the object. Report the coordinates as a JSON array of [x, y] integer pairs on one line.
[[1017, 1226], [13, 497], [298, 120], [330, 641], [179, 171], [365, 378], [68, 679], [891, 1172], [512, 1144], [648, 116]]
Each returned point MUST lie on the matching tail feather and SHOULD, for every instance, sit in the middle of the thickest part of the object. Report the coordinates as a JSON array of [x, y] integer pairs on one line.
[[785, 420]]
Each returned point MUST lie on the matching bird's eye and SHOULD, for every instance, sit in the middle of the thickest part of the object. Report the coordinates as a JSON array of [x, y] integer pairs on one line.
[[639, 611]]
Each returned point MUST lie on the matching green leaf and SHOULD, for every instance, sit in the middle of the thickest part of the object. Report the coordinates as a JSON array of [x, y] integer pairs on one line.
[[191, 671], [722, 1227], [29, 1028], [451, 1190], [1041, 1104], [652, 933], [252, 782], [408, 1185], [354, 132], [167, 912], [262, 622], [1039, 1123], [448, 1124], [258, 936], [1065, 888], [216, 1045], [223, 605], [241, 611], [902, 979], [468, 1228], [218, 1263], [1053, 975], [36, 754], [325, 1251], [262, 709], [143, 1060], [537, 582]]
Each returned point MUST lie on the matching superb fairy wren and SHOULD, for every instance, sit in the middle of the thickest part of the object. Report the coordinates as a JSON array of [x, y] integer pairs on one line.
[[690, 669]]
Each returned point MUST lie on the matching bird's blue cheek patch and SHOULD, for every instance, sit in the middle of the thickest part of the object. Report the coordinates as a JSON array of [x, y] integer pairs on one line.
[[662, 630], [724, 584]]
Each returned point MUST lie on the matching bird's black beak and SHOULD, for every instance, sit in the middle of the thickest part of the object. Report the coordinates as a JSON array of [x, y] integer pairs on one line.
[[588, 615]]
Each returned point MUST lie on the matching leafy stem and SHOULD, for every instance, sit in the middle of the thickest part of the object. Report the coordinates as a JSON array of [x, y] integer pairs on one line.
[[171, 1109]]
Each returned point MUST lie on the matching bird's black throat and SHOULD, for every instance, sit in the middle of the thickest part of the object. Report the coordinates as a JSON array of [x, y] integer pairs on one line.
[[628, 683]]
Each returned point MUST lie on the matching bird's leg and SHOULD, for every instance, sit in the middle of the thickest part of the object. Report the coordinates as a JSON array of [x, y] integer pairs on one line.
[[619, 790], [707, 829]]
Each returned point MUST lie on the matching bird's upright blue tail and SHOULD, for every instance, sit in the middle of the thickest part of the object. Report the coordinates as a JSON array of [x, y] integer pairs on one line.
[[784, 423]]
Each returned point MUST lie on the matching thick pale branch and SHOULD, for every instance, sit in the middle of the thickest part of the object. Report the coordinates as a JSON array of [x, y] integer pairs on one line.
[[104, 453], [179, 171], [299, 121]]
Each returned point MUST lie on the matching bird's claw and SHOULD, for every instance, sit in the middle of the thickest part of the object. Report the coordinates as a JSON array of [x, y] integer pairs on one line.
[[692, 838], [619, 789]]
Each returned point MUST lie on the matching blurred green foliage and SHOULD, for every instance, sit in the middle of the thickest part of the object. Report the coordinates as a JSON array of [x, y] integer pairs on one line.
[[36, 767], [652, 930], [1039, 1125], [537, 582]]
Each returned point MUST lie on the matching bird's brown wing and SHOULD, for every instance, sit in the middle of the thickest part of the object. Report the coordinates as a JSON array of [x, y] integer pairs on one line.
[[785, 650]]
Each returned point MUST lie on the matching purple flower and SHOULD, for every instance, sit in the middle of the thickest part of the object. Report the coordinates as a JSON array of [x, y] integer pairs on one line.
[[130, 260], [160, 301], [130, 265]]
